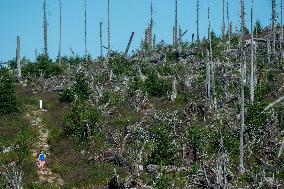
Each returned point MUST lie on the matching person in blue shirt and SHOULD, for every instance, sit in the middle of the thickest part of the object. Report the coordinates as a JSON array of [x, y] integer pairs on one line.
[[41, 160]]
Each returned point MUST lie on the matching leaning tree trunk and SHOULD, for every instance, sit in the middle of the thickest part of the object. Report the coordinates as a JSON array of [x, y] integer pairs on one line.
[[18, 58], [45, 28], [252, 83], [242, 88], [129, 43]]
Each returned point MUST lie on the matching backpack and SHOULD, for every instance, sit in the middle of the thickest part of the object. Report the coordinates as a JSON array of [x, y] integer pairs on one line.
[[41, 157]]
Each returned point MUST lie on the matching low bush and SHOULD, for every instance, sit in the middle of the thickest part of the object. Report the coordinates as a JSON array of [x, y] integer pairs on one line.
[[74, 119]]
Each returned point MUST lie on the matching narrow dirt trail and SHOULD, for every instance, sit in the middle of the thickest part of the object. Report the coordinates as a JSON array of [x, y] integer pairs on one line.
[[35, 117]]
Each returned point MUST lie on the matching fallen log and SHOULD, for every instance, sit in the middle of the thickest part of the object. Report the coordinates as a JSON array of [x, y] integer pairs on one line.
[[167, 169]]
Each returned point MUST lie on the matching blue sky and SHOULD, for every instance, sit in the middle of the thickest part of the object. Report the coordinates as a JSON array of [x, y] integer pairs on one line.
[[25, 18]]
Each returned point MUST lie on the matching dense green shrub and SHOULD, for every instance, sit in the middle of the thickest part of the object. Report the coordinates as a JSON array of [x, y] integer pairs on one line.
[[44, 67], [74, 119], [135, 84], [67, 95], [121, 65], [254, 115], [163, 182], [24, 140], [195, 138], [262, 90], [166, 70], [156, 86], [165, 151], [9, 102], [80, 90]]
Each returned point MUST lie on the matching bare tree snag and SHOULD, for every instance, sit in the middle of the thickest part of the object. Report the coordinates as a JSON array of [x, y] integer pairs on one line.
[[154, 40], [176, 21], [60, 32], [108, 31], [242, 103], [209, 36], [223, 20], [281, 25], [268, 50], [151, 26], [174, 34], [273, 3], [129, 43], [197, 20], [180, 36], [36, 55], [229, 27], [45, 28], [85, 23], [252, 57], [211, 66], [208, 76], [18, 58], [101, 40]]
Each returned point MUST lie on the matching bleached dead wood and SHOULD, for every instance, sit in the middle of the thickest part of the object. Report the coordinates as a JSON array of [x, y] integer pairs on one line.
[[13, 176]]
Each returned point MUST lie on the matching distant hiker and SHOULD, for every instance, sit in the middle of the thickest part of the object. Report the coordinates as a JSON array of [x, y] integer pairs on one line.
[[41, 160]]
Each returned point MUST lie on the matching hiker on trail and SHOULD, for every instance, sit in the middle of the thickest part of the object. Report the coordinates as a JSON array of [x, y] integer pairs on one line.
[[41, 160]]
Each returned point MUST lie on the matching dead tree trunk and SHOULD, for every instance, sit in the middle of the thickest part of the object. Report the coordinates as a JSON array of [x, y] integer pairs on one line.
[[101, 40], [45, 28], [281, 25], [151, 27], [154, 41], [229, 28], [174, 34], [85, 22], [208, 76], [108, 32], [60, 32], [211, 64], [268, 50], [273, 3], [176, 21], [129, 43], [209, 36], [223, 20], [242, 88], [197, 21], [36, 55], [252, 57], [18, 58]]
